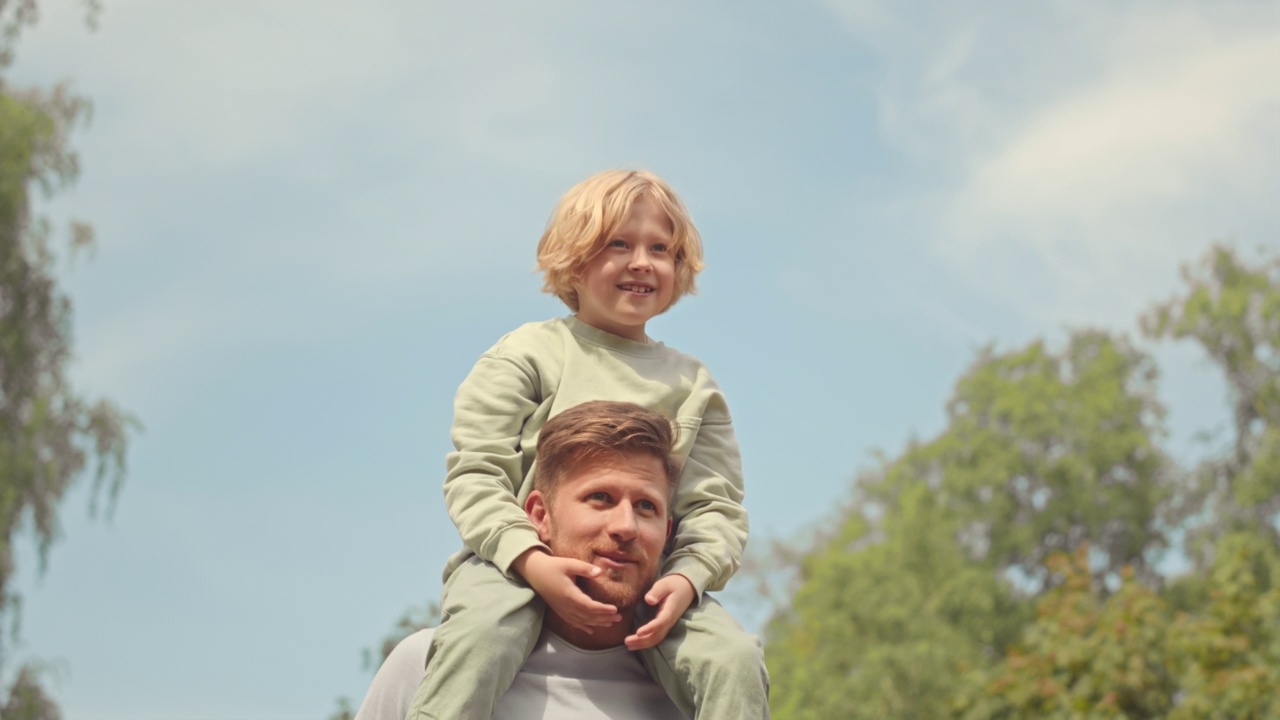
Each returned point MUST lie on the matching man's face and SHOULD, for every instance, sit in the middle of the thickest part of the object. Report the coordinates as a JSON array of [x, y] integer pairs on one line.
[[612, 514]]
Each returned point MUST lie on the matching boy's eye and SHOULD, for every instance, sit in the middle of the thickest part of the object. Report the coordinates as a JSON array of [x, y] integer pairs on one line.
[[659, 247], [617, 243]]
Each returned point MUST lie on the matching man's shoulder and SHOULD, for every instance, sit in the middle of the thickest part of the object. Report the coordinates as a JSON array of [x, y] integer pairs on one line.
[[558, 681], [391, 692], [413, 648]]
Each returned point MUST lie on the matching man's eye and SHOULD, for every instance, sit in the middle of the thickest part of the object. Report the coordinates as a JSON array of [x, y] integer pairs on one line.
[[648, 506], [599, 496]]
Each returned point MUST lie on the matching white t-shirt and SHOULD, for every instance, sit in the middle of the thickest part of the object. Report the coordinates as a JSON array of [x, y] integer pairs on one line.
[[559, 681]]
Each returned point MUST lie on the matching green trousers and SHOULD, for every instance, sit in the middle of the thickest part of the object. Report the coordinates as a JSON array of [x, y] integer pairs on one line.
[[709, 665]]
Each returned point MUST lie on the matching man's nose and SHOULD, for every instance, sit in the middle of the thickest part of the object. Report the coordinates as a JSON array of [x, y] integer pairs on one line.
[[622, 523]]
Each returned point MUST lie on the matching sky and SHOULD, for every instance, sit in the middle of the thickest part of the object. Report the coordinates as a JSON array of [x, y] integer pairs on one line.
[[312, 217]]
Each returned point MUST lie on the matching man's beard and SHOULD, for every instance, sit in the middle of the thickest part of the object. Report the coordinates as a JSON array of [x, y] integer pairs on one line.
[[624, 588]]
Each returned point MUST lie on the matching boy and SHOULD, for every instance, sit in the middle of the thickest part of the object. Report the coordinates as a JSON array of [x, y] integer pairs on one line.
[[619, 249]]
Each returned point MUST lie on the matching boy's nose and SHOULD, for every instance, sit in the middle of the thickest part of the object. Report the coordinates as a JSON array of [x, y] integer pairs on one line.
[[640, 260]]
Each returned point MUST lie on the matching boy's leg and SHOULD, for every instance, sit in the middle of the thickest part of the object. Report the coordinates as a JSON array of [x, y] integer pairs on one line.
[[488, 626], [710, 666]]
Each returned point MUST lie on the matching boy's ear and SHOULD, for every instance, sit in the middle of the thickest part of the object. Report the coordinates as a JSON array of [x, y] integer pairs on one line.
[[535, 506]]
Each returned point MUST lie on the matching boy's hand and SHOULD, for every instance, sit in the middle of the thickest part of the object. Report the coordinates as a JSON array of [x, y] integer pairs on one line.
[[674, 593], [553, 579]]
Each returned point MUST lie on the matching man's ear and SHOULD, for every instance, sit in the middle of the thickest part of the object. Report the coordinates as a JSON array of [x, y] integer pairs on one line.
[[668, 535], [535, 506]]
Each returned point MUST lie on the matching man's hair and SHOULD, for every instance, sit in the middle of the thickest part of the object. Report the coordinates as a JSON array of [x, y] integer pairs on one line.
[[600, 431], [594, 209]]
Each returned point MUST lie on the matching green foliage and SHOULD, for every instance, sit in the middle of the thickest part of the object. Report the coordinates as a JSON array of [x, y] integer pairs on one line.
[[1232, 310], [18, 15], [1043, 452], [49, 433], [1089, 656], [885, 617], [1048, 494], [344, 711], [1086, 657], [27, 699], [1228, 655]]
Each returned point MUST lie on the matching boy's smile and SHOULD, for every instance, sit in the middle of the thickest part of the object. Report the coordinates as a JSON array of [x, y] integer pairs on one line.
[[632, 278]]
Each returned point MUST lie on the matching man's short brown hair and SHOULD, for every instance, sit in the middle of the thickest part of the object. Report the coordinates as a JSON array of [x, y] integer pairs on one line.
[[599, 431]]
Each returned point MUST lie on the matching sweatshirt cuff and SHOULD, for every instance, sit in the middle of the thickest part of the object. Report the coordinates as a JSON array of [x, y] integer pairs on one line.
[[513, 543], [698, 574]]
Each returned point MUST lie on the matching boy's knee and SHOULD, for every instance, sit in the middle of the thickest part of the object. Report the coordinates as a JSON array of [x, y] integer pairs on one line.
[[491, 626], [731, 680], [734, 657], [742, 653]]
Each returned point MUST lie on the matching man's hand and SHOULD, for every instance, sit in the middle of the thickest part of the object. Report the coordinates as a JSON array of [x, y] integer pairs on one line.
[[673, 593], [553, 579]]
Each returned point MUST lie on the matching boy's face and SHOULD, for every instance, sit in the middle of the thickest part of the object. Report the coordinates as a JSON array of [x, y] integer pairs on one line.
[[633, 278]]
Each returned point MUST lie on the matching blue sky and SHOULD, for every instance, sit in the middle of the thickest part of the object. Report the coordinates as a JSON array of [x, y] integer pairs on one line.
[[312, 217]]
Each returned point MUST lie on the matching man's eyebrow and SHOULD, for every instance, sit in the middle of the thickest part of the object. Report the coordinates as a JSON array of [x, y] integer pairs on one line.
[[652, 494]]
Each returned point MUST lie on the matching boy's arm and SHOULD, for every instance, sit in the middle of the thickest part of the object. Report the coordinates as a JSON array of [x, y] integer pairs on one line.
[[486, 468], [712, 532]]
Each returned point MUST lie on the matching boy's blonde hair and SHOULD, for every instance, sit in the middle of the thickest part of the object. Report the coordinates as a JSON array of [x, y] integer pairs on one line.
[[593, 210]]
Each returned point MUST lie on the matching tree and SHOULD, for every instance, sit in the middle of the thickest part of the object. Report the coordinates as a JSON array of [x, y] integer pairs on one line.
[[1088, 656], [1049, 489], [1232, 310], [1228, 655], [929, 575], [49, 433], [1045, 452], [1217, 655], [885, 615]]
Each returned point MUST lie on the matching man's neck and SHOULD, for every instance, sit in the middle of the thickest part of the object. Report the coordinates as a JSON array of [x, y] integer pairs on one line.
[[598, 639]]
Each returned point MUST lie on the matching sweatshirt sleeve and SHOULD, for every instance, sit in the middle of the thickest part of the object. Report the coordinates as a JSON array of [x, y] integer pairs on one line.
[[712, 532], [485, 470]]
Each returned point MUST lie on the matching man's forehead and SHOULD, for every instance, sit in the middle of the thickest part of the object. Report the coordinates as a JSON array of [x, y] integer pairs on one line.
[[638, 469]]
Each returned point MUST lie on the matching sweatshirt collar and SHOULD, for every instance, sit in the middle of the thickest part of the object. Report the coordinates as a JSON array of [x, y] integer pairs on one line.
[[596, 336]]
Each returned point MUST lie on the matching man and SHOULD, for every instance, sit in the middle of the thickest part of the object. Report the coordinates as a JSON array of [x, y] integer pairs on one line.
[[601, 501]]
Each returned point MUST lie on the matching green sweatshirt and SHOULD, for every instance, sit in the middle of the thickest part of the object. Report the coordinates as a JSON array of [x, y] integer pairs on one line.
[[542, 368]]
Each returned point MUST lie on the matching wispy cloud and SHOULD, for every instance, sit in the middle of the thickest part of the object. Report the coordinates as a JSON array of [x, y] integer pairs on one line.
[[1083, 153], [1162, 126], [266, 186]]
